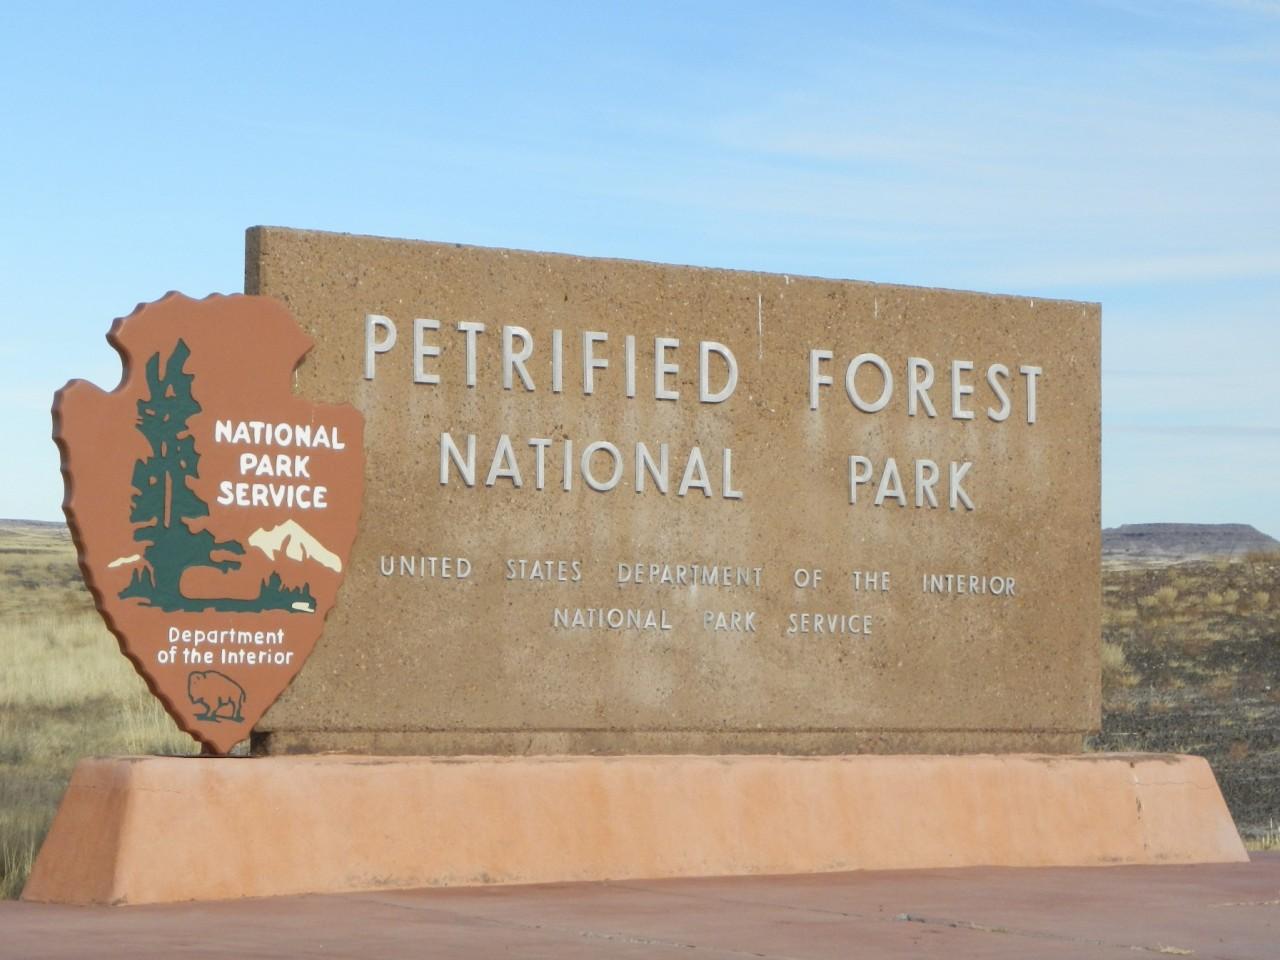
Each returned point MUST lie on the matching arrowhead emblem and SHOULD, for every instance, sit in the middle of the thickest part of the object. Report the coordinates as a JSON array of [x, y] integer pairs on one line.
[[213, 511]]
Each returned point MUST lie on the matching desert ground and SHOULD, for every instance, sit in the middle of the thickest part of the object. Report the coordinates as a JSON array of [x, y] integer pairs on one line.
[[1191, 663]]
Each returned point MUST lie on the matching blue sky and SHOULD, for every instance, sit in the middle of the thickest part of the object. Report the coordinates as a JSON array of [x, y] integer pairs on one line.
[[1126, 152]]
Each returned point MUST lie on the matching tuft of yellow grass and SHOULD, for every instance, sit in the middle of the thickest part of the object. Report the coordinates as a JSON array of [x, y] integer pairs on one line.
[[1115, 667]]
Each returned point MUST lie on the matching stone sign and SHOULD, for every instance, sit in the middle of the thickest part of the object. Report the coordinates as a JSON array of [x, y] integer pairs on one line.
[[212, 509], [628, 507]]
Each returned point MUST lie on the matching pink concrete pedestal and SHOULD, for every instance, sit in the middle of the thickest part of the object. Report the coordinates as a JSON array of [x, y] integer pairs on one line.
[[150, 830]]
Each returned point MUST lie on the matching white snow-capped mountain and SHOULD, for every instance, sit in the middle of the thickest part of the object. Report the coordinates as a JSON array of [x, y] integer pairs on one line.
[[296, 543]]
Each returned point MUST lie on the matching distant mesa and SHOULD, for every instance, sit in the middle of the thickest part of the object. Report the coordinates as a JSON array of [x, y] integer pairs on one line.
[[1184, 541], [296, 544]]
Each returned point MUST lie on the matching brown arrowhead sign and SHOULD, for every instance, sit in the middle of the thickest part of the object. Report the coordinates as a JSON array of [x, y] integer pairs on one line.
[[212, 509]]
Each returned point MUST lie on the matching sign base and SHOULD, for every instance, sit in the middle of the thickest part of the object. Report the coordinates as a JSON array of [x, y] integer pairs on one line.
[[158, 829]]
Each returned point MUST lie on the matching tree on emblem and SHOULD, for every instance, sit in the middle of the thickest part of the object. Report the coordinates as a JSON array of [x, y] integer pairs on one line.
[[164, 505]]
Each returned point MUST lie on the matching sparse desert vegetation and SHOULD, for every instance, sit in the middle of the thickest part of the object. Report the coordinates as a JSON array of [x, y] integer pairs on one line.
[[65, 690], [1191, 664]]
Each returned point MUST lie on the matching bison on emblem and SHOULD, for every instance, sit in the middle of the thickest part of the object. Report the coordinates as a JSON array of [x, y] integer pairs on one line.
[[219, 695]]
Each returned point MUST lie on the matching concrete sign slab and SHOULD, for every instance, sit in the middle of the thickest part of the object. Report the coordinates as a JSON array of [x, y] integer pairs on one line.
[[628, 507]]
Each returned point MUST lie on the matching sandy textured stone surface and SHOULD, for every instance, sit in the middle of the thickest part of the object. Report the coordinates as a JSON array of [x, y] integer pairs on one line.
[[418, 664]]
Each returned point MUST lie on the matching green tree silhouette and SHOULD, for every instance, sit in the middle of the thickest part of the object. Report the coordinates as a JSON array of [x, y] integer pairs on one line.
[[163, 502]]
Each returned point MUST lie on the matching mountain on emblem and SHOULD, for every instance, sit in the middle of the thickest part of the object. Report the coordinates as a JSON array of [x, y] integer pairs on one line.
[[195, 491], [296, 544]]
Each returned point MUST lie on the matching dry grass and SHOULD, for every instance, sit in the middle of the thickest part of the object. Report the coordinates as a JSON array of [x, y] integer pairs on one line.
[[1266, 839], [1191, 664], [65, 692], [38, 572], [1115, 667]]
